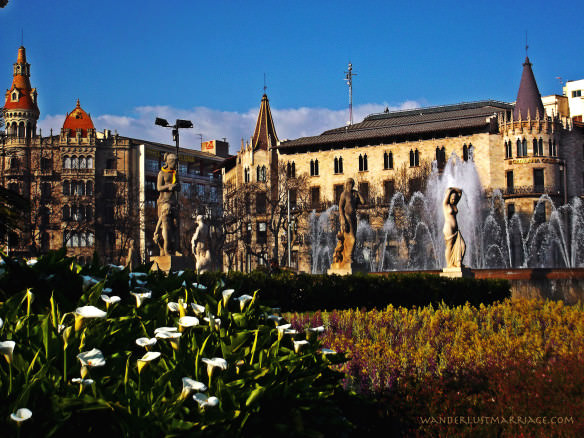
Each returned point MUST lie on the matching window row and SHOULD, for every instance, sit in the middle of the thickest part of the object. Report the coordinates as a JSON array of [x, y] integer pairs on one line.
[[78, 188], [74, 239], [537, 145], [77, 213], [77, 162]]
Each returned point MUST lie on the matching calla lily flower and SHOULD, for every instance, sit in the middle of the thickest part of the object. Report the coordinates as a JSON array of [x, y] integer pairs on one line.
[[243, 300], [66, 334], [326, 351], [110, 300], [299, 345], [314, 332], [173, 336], [275, 318], [214, 322], [180, 273], [21, 415], [90, 359], [7, 348], [226, 295], [146, 342], [190, 385], [84, 382], [216, 362], [87, 312], [147, 358], [140, 297], [89, 281], [32, 262], [282, 330], [198, 309], [1, 322], [165, 329], [203, 400], [188, 321], [175, 307]]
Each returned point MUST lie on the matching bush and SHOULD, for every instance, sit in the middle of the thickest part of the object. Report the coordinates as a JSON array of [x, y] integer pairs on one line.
[[269, 383]]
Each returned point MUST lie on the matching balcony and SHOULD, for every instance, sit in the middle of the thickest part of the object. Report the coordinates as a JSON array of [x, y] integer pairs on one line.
[[533, 190], [110, 172]]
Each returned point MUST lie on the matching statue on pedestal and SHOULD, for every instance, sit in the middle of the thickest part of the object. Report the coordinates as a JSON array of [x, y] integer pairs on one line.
[[201, 246], [168, 186], [348, 203], [455, 246]]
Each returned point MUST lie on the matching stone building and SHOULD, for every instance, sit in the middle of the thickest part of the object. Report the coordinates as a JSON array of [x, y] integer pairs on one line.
[[92, 191]]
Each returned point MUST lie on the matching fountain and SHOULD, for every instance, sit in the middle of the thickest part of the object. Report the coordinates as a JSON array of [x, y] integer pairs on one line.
[[411, 236]]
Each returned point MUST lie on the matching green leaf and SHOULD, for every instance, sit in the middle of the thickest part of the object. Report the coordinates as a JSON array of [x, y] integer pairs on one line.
[[255, 394]]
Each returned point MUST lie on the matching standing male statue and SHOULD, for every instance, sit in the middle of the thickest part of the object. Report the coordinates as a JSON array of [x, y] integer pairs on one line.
[[168, 187], [455, 246], [348, 203]]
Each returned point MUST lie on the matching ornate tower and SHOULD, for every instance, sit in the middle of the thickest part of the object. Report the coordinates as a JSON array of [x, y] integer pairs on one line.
[[21, 111]]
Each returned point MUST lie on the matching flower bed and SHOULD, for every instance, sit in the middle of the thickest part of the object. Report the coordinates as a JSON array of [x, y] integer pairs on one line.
[[520, 358]]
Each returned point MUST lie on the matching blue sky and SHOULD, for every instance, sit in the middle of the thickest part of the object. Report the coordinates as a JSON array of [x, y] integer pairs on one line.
[[128, 61]]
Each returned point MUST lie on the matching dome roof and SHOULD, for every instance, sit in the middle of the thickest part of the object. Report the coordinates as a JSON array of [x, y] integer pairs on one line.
[[21, 84], [78, 119]]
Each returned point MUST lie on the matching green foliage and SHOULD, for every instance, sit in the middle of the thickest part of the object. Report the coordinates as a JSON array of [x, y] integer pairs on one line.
[[307, 292], [266, 388]]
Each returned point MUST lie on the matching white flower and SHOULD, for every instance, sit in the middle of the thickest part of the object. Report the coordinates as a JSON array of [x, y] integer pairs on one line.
[[275, 318], [110, 300], [146, 342], [314, 332], [188, 321], [87, 312], [106, 290], [175, 307], [298, 345], [31, 262], [141, 296], [165, 329], [214, 322], [326, 351], [171, 335], [90, 359], [7, 348], [180, 273], [199, 286], [21, 414], [226, 295], [1, 322], [84, 382], [243, 300], [198, 309], [204, 401], [190, 385], [216, 362], [89, 281], [147, 358]]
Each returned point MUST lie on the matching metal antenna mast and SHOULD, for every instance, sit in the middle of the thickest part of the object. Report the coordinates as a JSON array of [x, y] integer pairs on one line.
[[349, 79]]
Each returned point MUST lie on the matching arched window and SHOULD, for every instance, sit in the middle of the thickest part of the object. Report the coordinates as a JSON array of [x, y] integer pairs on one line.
[[412, 160], [258, 173], [416, 158], [14, 97], [293, 169], [470, 152], [89, 188], [90, 239], [66, 188], [360, 163], [465, 152], [67, 163], [519, 153], [365, 165], [555, 148], [313, 167], [336, 165], [82, 163], [74, 163], [535, 147], [74, 240], [316, 167], [14, 164], [82, 241], [540, 147], [21, 130], [550, 148], [388, 160], [90, 162], [524, 148], [340, 164]]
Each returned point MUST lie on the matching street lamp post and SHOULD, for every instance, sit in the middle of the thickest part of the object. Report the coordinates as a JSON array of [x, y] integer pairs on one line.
[[175, 136]]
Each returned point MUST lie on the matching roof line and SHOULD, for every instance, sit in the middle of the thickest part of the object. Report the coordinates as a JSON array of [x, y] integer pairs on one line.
[[453, 107]]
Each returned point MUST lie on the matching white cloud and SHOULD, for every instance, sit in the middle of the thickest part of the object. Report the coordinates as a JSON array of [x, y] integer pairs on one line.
[[213, 124]]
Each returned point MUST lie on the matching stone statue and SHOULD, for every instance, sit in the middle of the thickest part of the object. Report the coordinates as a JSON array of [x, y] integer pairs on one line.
[[201, 246], [348, 203], [168, 186], [455, 246]]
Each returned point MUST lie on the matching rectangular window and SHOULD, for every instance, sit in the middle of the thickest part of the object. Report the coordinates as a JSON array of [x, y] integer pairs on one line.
[[260, 203], [315, 197], [338, 191], [364, 190], [388, 190], [576, 93], [538, 182], [509, 175], [510, 211], [293, 198], [262, 236]]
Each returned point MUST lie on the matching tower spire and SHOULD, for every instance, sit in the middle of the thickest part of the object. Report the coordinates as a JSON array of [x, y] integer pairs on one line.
[[265, 131], [528, 97]]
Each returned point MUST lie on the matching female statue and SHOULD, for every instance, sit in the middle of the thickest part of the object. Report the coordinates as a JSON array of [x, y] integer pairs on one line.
[[455, 246]]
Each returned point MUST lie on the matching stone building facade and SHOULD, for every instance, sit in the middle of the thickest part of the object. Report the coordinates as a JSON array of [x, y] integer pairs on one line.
[[92, 191]]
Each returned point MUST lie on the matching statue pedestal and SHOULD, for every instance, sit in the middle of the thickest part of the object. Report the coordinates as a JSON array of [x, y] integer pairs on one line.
[[462, 272], [172, 263], [346, 268]]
